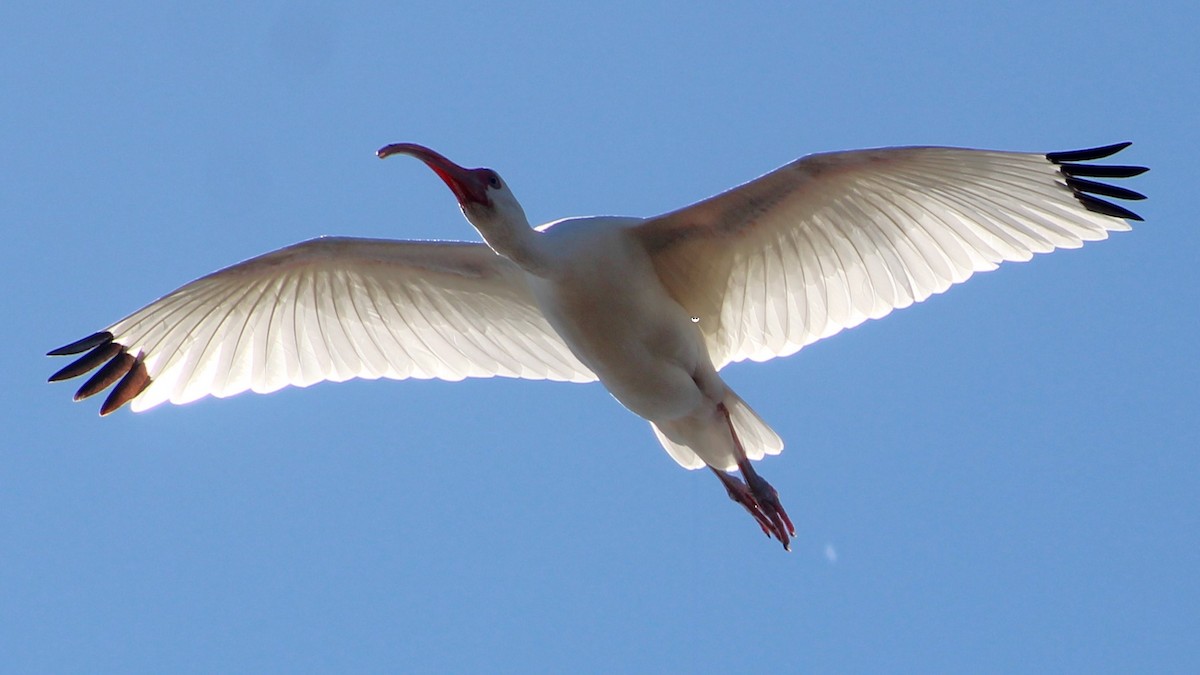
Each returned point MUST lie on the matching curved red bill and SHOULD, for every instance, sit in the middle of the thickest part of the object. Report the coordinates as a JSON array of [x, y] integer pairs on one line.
[[466, 184]]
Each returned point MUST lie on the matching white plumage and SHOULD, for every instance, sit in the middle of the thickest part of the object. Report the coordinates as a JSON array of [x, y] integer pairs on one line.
[[831, 240], [653, 308], [337, 308]]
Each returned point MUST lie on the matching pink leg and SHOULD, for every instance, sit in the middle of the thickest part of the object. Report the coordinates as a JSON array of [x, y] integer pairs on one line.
[[739, 493], [756, 494]]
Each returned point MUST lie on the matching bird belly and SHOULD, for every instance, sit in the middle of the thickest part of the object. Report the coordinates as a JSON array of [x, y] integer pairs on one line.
[[608, 304], [617, 318]]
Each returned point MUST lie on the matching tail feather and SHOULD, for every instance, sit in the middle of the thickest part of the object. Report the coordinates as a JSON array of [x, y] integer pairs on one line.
[[682, 454], [694, 445], [757, 437]]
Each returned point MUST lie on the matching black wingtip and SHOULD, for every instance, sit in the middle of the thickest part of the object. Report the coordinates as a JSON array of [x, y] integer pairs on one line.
[[1084, 189], [133, 383], [1102, 170], [102, 353], [83, 345], [1106, 208], [112, 371], [1114, 191], [1087, 154], [116, 365]]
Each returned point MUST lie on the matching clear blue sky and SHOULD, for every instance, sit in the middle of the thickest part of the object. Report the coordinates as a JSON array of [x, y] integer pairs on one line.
[[1003, 478]]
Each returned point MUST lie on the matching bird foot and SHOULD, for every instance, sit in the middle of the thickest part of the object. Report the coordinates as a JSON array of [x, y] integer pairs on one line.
[[767, 498], [761, 501], [756, 494]]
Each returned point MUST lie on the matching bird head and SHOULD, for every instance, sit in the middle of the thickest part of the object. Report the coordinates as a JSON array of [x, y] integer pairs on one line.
[[483, 196]]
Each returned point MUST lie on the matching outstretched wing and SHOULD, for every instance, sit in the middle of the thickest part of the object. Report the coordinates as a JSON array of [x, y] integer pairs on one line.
[[327, 309], [831, 240]]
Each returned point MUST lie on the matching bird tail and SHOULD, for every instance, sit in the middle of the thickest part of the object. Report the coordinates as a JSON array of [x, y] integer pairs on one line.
[[694, 446], [757, 437]]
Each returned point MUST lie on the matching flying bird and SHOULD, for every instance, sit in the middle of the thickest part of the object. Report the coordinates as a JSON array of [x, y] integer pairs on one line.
[[653, 308]]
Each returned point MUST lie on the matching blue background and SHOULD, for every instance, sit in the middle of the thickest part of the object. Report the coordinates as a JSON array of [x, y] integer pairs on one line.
[[1003, 478]]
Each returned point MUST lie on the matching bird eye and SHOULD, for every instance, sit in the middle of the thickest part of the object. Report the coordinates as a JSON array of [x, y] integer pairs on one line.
[[494, 181]]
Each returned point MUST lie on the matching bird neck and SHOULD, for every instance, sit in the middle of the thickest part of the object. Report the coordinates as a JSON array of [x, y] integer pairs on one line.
[[516, 240]]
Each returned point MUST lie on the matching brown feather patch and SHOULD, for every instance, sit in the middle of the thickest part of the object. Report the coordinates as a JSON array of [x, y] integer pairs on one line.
[[134, 383], [111, 372]]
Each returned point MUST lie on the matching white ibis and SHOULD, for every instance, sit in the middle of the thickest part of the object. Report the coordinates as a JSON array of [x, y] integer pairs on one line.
[[651, 307]]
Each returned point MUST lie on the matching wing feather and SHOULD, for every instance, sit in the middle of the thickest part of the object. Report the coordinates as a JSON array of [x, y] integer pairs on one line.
[[330, 309], [830, 240]]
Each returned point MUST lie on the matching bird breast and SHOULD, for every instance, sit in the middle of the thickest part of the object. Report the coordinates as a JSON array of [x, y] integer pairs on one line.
[[606, 301]]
